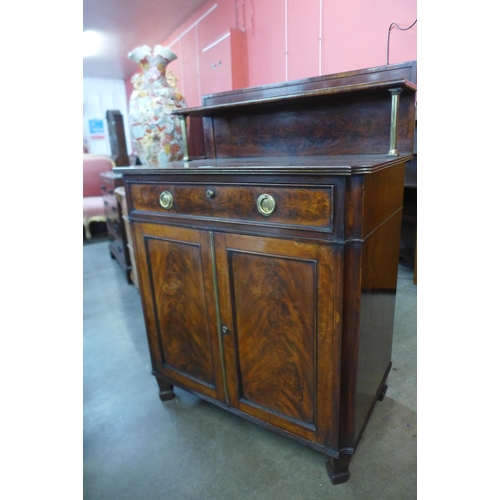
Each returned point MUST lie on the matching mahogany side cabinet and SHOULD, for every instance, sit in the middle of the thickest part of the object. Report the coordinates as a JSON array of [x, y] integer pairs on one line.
[[268, 269], [118, 248]]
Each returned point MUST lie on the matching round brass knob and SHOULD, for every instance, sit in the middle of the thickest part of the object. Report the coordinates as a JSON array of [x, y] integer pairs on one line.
[[166, 199], [266, 204]]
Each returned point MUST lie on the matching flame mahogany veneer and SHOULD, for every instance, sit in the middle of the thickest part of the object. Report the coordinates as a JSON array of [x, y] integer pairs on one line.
[[280, 308]]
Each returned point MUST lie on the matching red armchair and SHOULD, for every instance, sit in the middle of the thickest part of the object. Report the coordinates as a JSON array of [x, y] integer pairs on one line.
[[93, 203]]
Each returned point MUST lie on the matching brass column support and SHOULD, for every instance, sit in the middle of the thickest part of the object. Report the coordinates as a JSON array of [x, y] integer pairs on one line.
[[184, 138], [393, 147]]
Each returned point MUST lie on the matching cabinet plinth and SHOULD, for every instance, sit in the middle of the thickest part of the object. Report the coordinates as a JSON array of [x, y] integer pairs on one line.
[[268, 282]]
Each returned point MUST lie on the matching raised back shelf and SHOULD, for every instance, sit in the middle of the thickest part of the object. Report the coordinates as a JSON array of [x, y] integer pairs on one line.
[[343, 114], [406, 71]]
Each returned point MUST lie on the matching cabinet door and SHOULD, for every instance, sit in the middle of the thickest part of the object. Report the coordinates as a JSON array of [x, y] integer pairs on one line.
[[176, 280], [282, 317]]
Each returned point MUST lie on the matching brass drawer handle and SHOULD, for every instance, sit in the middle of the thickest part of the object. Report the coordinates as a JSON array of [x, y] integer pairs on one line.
[[266, 204], [166, 199]]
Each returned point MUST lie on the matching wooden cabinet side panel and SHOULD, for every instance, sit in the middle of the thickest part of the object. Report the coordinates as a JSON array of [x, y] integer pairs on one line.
[[379, 264], [383, 196], [196, 137], [373, 222]]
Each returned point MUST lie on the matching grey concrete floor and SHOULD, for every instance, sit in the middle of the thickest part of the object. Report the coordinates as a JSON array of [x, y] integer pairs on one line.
[[139, 448]]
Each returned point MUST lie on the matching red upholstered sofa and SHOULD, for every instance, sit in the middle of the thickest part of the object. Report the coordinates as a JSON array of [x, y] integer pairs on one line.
[[93, 203]]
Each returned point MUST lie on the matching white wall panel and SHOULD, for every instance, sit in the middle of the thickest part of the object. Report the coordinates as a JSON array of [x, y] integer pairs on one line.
[[100, 95]]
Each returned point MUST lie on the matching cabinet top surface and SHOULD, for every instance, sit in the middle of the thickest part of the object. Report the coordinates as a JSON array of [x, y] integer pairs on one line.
[[324, 165]]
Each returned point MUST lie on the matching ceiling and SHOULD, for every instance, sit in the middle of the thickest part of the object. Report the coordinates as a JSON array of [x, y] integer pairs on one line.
[[126, 24]]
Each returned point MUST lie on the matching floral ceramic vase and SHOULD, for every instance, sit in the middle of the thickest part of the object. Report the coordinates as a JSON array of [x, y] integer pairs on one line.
[[156, 133]]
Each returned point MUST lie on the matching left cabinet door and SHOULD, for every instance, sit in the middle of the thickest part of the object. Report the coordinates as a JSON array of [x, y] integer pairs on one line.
[[176, 279]]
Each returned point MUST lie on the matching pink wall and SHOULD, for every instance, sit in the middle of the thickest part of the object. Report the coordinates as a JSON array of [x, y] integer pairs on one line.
[[284, 40], [355, 33]]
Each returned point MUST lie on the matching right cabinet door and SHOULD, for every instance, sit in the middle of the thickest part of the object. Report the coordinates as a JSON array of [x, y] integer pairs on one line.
[[279, 302]]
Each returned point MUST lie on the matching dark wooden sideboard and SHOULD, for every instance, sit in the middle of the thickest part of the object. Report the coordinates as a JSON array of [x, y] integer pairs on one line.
[[268, 270], [115, 225]]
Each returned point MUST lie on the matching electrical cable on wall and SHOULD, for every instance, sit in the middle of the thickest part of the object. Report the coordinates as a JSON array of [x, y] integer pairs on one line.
[[389, 34]]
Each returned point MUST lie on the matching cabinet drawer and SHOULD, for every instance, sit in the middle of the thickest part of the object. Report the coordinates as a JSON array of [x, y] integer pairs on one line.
[[118, 250], [114, 226], [110, 205], [309, 206], [107, 187]]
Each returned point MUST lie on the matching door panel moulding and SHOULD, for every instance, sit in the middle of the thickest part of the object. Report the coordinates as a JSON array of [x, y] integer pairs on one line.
[[223, 37], [194, 24]]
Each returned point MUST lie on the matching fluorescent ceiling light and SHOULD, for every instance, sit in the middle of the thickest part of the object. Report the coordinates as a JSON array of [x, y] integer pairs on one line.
[[91, 43]]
